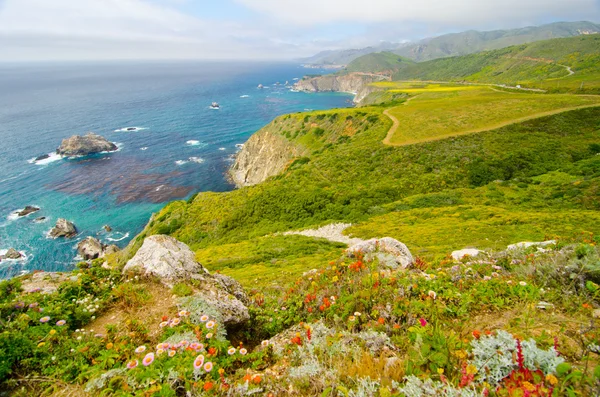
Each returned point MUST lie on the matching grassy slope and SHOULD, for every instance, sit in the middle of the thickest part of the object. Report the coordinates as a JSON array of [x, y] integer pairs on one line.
[[357, 178], [378, 62], [527, 64], [439, 111]]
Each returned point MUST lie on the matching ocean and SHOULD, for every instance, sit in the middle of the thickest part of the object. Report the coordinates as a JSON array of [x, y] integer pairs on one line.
[[178, 144]]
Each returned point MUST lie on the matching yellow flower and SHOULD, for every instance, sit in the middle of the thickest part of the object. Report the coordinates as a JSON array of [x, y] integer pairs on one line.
[[471, 369], [440, 371], [334, 279], [528, 386], [52, 331], [41, 344], [552, 379], [334, 268], [109, 346], [221, 371], [460, 354]]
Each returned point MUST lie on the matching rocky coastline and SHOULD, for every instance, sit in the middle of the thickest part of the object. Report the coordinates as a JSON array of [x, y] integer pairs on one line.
[[353, 83]]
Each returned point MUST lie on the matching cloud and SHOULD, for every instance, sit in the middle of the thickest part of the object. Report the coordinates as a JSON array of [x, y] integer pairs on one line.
[[447, 12]]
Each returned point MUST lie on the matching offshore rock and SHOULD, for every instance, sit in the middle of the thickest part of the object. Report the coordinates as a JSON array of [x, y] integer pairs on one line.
[[171, 260], [84, 145], [12, 254], [390, 252], [28, 210], [63, 228]]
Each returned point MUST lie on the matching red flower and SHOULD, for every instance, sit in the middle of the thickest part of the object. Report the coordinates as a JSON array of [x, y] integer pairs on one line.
[[297, 340], [423, 322], [208, 385], [476, 334], [212, 351]]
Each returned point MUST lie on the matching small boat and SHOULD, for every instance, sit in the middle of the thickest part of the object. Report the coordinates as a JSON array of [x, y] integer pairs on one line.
[[260, 86], [214, 105]]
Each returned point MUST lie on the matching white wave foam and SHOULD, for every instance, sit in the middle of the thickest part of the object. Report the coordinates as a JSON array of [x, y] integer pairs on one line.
[[295, 79], [244, 96], [159, 188], [144, 148], [193, 143], [23, 257], [197, 160], [181, 162], [124, 236], [131, 129], [221, 148], [239, 145], [52, 157]]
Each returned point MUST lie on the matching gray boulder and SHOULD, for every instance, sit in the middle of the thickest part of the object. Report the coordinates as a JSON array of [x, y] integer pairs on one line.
[[172, 261], [84, 145], [12, 254], [90, 248], [63, 228], [390, 252]]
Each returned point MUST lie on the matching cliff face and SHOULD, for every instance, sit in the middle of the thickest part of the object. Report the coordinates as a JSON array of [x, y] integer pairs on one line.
[[267, 153], [351, 82]]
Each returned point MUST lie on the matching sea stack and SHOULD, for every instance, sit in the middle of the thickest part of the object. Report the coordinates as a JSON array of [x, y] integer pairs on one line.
[[63, 228], [83, 145]]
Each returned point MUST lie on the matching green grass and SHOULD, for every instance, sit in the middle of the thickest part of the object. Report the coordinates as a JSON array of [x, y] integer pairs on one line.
[[444, 111], [378, 62], [527, 64]]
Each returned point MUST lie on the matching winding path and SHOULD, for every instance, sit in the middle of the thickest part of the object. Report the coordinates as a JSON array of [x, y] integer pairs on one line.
[[396, 124]]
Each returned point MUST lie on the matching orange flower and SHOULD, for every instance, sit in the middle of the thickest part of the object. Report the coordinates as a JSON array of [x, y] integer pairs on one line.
[[208, 385], [476, 334], [381, 320], [247, 378], [256, 379], [587, 306], [396, 326], [212, 351]]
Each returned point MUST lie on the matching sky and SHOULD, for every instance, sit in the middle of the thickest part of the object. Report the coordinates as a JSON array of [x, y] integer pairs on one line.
[[41, 30]]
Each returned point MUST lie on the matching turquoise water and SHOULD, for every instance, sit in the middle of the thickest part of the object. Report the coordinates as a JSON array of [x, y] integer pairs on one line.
[[180, 146]]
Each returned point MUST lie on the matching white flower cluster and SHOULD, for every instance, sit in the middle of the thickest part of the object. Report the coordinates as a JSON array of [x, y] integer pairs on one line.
[[415, 387], [89, 303], [493, 357]]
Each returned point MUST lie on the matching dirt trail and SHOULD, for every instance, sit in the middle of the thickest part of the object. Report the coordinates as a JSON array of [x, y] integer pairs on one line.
[[396, 125]]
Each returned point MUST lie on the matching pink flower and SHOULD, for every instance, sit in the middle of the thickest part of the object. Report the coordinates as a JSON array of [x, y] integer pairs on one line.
[[132, 364], [208, 366], [44, 319], [149, 359], [423, 322], [199, 362], [140, 349], [60, 323]]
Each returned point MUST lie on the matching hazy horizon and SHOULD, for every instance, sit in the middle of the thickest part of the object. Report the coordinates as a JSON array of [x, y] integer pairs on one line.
[[92, 30]]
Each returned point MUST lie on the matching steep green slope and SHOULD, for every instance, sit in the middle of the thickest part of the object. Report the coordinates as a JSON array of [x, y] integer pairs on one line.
[[533, 62], [352, 178], [378, 62], [472, 41]]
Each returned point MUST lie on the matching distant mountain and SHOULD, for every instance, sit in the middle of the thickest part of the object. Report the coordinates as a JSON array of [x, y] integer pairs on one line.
[[378, 62], [460, 43]]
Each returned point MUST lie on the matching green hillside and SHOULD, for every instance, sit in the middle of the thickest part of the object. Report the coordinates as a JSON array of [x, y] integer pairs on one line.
[[529, 64], [472, 41], [378, 62]]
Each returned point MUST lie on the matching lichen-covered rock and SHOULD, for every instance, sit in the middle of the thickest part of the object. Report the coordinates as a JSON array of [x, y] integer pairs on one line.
[[90, 248], [84, 145], [63, 228], [458, 255], [390, 252], [172, 261], [166, 258], [527, 244]]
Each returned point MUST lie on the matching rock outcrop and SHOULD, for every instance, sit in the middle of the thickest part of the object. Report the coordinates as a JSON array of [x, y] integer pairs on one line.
[[458, 255], [352, 82], [92, 248], [84, 145], [527, 244], [12, 254], [390, 252], [63, 228], [172, 261], [28, 210], [267, 153]]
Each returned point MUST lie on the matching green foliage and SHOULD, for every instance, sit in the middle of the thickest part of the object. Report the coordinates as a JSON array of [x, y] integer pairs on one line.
[[378, 62], [182, 289]]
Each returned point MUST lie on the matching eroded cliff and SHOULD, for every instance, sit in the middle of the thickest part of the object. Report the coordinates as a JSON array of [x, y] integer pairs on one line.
[[352, 82], [267, 153]]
